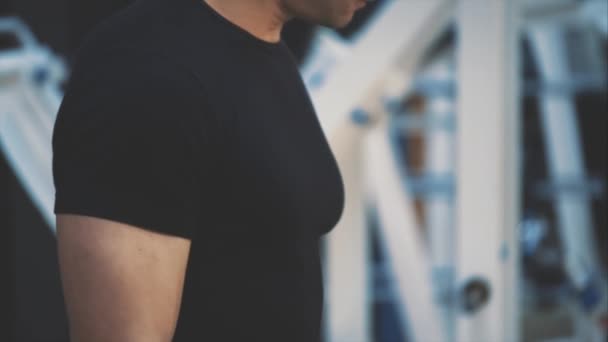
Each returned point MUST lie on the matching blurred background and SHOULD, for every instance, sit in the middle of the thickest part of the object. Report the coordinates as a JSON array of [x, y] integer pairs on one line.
[[471, 135]]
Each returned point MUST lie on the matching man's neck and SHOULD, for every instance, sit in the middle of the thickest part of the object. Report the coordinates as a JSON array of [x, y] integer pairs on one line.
[[262, 18]]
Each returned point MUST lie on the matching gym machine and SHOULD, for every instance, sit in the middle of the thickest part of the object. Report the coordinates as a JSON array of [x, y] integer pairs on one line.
[[461, 281], [454, 265]]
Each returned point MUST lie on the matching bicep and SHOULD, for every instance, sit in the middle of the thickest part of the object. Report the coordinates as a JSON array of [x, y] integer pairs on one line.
[[120, 282]]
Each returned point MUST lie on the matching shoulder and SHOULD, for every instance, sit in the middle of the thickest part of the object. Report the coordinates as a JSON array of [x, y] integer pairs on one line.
[[132, 74], [138, 63], [135, 39], [154, 38], [131, 93], [132, 26]]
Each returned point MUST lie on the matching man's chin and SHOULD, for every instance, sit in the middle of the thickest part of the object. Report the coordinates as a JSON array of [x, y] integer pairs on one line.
[[339, 23]]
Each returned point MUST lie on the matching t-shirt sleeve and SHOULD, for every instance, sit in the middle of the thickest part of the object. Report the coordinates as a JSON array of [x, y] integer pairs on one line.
[[127, 147]]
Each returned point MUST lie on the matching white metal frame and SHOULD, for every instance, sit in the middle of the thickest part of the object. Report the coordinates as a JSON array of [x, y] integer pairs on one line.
[[439, 208], [487, 167], [408, 254], [362, 76], [565, 162], [28, 111]]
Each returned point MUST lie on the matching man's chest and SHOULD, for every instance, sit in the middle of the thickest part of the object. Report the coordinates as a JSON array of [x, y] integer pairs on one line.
[[286, 173]]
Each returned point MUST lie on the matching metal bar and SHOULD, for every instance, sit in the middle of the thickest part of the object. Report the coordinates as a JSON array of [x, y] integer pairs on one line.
[[487, 164], [417, 22], [406, 251], [565, 160], [439, 210], [347, 263], [27, 113], [564, 151], [28, 152], [359, 79]]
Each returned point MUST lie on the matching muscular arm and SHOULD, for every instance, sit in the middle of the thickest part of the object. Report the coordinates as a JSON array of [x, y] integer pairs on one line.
[[121, 283]]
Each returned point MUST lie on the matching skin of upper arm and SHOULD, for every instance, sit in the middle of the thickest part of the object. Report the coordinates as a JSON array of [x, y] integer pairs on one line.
[[120, 282]]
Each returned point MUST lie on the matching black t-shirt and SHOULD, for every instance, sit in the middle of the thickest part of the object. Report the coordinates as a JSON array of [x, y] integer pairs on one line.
[[178, 121]]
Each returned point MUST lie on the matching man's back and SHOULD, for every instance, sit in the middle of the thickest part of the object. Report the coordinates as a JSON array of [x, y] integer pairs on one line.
[[177, 121]]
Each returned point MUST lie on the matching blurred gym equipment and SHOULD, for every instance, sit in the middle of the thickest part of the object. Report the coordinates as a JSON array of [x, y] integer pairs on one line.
[[426, 104]]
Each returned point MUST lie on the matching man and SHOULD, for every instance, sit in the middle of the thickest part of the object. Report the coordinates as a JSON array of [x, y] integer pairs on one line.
[[193, 180]]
